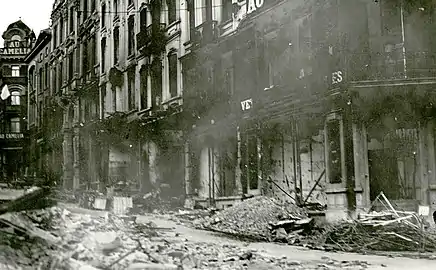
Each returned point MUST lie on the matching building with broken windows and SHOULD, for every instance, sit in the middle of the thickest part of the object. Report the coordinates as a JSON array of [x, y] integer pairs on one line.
[[326, 102], [18, 38], [330, 99]]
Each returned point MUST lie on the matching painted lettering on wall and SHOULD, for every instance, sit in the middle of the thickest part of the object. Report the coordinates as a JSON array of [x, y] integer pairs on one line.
[[253, 5], [8, 51], [247, 104], [337, 77]]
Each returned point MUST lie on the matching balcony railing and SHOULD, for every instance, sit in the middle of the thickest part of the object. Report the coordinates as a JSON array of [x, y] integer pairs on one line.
[[146, 36], [205, 33], [385, 66]]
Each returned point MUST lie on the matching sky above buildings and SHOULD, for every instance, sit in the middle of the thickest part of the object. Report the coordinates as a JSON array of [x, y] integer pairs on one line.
[[34, 13]]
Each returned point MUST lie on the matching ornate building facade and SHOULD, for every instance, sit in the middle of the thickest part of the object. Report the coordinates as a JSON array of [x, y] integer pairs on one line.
[[18, 39]]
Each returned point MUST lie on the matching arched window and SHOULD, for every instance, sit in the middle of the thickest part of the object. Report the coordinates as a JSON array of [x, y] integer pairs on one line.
[[15, 98]]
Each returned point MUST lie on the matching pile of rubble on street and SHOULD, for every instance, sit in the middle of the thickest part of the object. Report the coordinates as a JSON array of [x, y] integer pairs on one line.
[[79, 239], [265, 219], [259, 218], [387, 230]]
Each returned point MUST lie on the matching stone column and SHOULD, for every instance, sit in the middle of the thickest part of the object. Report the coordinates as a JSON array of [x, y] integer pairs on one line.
[[422, 161], [153, 153], [238, 172], [187, 165], [361, 166]]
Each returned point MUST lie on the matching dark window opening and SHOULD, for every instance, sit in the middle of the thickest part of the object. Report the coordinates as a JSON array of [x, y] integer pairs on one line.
[[143, 19], [70, 66], [103, 55], [103, 16], [46, 75], [144, 92], [156, 88], [114, 98], [61, 30], [55, 37], [116, 44], [131, 90], [172, 70], [172, 14], [61, 72], [85, 9], [85, 57], [103, 99], [131, 35], [71, 19]]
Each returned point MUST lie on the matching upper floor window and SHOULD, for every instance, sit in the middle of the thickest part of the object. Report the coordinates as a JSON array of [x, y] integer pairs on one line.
[[15, 125], [71, 21], [55, 36], [116, 7], [131, 35], [103, 54], [116, 44], [61, 30], [143, 19], [200, 11], [130, 2], [70, 66], [171, 11], [15, 71], [85, 9], [15, 98], [172, 70], [103, 15], [92, 5], [46, 75]]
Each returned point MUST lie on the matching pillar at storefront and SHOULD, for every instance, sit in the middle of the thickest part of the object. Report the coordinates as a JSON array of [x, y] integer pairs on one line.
[[361, 168], [337, 182], [153, 153], [238, 172]]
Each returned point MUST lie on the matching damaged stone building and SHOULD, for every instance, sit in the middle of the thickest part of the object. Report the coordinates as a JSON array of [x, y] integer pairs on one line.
[[327, 98], [326, 102]]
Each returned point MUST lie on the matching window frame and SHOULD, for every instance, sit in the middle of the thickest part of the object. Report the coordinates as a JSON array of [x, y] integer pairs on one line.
[[15, 96], [15, 122], [15, 69]]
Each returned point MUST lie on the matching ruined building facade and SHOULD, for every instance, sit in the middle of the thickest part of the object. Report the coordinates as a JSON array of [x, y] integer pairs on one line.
[[215, 100], [327, 98]]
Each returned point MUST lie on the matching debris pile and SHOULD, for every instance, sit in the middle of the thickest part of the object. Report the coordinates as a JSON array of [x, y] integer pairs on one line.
[[387, 230], [255, 218], [380, 231]]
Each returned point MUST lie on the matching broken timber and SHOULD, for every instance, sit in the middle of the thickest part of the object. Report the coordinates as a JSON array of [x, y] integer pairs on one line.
[[32, 198]]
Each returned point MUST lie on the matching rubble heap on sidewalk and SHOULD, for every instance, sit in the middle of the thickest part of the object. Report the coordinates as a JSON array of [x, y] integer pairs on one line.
[[387, 230], [260, 218]]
